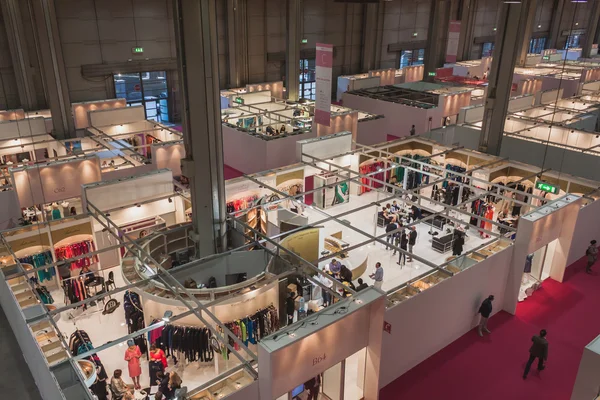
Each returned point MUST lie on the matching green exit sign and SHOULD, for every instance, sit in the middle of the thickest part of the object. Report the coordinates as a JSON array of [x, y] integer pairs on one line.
[[304, 41], [431, 73], [137, 50], [546, 57], [547, 187], [239, 100]]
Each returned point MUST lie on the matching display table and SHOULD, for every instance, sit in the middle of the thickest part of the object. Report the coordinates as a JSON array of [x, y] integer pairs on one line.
[[443, 243]]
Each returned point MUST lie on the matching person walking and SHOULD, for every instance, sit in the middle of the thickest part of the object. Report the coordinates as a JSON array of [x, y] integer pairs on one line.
[[539, 350], [389, 228], [485, 310], [412, 240], [377, 276], [592, 256], [413, 131]]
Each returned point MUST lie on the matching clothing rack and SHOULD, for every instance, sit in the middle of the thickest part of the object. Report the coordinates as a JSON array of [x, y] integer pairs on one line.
[[134, 317], [39, 259]]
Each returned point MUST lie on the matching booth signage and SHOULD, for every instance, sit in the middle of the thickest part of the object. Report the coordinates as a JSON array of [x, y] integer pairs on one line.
[[319, 359], [387, 327], [137, 50], [546, 187], [137, 88], [453, 39], [324, 64]]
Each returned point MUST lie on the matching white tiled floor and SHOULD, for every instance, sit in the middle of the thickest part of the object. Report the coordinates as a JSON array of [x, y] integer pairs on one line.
[[365, 220], [105, 328]]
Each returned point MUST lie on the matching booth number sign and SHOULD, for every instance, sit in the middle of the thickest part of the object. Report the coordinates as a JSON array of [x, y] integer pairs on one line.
[[546, 187]]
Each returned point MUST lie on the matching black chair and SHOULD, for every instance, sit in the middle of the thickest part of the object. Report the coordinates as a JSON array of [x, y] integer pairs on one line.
[[111, 281]]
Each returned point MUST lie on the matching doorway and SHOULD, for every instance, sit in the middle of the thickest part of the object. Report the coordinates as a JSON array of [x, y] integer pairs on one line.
[[343, 381], [538, 266], [148, 89]]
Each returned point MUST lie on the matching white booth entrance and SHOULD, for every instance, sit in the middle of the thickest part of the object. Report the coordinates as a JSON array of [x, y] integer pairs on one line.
[[334, 355]]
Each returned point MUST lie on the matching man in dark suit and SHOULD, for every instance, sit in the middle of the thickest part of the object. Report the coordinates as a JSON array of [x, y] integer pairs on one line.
[[539, 350], [485, 310]]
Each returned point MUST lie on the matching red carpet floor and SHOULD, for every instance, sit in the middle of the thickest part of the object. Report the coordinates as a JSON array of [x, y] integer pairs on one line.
[[491, 368]]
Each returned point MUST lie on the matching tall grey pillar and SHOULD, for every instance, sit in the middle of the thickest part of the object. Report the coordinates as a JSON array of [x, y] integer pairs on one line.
[[371, 30], [590, 32], [467, 23], [437, 37], [557, 15], [53, 68], [511, 28], [19, 53], [292, 51], [197, 58], [526, 39], [237, 37]]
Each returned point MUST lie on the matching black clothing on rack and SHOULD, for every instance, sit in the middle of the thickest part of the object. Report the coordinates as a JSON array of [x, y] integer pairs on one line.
[[134, 317], [193, 343]]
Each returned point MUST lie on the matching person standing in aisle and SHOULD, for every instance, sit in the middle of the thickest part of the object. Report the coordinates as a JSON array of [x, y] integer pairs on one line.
[[132, 356], [412, 240], [413, 131], [457, 246], [290, 307], [592, 256], [539, 350], [485, 310], [361, 285], [392, 226], [403, 246], [377, 276]]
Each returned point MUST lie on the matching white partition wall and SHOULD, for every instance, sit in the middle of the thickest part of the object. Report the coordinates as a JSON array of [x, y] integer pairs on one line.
[[80, 110], [22, 128], [116, 116], [428, 322]]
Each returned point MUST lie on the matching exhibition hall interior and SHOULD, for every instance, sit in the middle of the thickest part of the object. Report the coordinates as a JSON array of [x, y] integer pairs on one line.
[[299, 199]]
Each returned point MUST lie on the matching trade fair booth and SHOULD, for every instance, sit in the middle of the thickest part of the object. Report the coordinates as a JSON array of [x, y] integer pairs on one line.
[[327, 206], [379, 77], [428, 107], [269, 131], [252, 93], [81, 110]]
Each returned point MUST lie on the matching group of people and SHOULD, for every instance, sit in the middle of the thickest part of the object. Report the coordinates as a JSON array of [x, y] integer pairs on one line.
[[398, 236], [167, 382], [393, 213], [275, 132]]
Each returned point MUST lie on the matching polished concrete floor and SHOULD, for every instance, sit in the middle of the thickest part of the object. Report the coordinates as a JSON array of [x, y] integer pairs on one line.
[[16, 381]]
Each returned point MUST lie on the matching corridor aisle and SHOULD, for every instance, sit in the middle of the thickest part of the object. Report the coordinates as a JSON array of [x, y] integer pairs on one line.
[[491, 367]]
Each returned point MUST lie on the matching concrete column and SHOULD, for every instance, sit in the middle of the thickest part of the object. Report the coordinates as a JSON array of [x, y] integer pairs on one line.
[[511, 28], [237, 37], [557, 15], [371, 28], [590, 32], [292, 51], [197, 58], [524, 44], [19, 54], [467, 22], [437, 37], [53, 67]]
